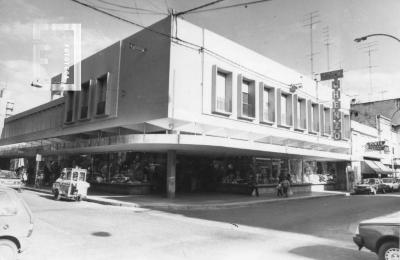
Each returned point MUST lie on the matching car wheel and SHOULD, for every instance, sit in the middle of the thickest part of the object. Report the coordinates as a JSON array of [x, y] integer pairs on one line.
[[8, 250], [389, 250], [57, 195]]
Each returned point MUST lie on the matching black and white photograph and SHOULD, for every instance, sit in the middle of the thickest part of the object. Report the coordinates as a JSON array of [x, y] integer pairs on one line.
[[200, 129]]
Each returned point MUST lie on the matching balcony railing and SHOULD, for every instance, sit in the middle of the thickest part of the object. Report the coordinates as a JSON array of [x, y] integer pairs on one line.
[[247, 110], [224, 105], [101, 108]]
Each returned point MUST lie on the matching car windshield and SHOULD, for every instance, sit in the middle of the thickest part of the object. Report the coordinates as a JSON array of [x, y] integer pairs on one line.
[[387, 180], [8, 175], [369, 181], [82, 176]]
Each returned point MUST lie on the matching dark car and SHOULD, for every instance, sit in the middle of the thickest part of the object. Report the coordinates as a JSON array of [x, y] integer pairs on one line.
[[380, 235], [371, 186], [16, 224]]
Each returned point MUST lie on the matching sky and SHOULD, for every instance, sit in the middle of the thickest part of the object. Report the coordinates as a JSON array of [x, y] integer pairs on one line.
[[275, 29]]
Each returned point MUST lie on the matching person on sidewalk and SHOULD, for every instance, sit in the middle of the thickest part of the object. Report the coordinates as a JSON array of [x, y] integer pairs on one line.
[[279, 190], [286, 187]]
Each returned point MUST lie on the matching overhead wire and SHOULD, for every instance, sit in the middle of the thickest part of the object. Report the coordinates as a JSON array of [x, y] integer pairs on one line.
[[126, 6], [196, 47], [199, 7], [231, 6]]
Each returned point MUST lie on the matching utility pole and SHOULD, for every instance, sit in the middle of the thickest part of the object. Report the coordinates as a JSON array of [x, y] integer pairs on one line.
[[310, 22]]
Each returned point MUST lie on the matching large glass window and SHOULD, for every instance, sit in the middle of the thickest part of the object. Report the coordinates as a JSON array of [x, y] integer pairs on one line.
[[69, 106], [246, 106], [285, 116], [266, 104], [101, 95], [327, 120], [284, 101], [84, 100], [301, 119], [221, 90]]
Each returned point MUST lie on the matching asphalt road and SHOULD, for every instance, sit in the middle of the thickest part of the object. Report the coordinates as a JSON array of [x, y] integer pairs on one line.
[[308, 229], [333, 218]]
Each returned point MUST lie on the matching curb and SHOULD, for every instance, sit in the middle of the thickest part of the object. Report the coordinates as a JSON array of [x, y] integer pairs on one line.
[[88, 199], [193, 207], [232, 204]]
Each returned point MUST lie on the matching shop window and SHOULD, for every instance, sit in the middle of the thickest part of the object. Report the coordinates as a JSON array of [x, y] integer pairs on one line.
[[246, 97], [101, 96], [300, 117], [221, 91], [267, 110], [69, 106], [84, 99]]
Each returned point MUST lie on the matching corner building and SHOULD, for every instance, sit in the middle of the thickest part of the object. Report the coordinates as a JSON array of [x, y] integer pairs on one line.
[[177, 108]]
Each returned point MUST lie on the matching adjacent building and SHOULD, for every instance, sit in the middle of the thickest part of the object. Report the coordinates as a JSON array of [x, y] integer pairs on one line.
[[177, 108]]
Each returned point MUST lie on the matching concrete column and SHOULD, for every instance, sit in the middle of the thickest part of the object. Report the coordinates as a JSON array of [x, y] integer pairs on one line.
[[171, 173]]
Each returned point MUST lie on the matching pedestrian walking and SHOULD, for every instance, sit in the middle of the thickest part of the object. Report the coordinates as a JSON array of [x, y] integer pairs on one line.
[[285, 186], [279, 190]]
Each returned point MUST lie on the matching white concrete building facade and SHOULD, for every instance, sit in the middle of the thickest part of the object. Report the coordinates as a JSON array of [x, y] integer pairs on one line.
[[181, 90]]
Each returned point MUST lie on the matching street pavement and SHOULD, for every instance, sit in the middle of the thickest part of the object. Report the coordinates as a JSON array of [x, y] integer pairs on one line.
[[304, 229]]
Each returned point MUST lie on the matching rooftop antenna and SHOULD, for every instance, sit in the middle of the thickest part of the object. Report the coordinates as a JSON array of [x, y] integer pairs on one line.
[[370, 48], [327, 43], [310, 22]]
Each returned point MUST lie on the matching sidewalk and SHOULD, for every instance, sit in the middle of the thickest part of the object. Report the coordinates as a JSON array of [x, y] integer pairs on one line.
[[192, 201]]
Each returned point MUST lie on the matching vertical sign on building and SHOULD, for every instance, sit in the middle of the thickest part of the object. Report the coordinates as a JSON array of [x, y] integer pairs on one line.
[[336, 115]]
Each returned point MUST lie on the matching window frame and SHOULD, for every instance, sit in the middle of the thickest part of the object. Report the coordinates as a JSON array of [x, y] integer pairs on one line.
[[251, 98], [271, 104], [82, 99], [105, 79], [288, 109], [227, 111]]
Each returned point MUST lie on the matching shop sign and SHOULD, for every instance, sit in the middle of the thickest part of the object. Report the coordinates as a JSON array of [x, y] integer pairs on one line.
[[334, 74], [336, 105], [38, 157], [336, 115], [377, 146]]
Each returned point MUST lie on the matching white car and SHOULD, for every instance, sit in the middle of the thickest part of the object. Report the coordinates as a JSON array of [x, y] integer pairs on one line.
[[16, 224], [392, 183]]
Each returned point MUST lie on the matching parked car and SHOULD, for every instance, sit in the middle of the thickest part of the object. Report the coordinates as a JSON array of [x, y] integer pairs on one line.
[[71, 184], [380, 235], [16, 224], [392, 183], [10, 179], [371, 186]]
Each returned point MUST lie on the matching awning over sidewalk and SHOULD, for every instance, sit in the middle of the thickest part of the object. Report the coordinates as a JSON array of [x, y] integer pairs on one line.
[[383, 167], [374, 167]]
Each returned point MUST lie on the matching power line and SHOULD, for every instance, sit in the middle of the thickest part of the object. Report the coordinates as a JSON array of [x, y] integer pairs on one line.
[[127, 7], [231, 6], [125, 11], [193, 46], [198, 7]]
